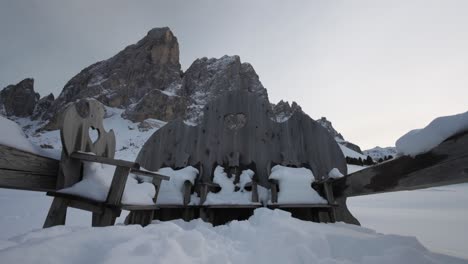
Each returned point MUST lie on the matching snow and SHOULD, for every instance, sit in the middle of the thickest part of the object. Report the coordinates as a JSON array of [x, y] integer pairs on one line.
[[295, 185], [269, 236], [13, 136], [438, 216], [97, 179], [227, 194], [171, 192], [354, 168], [422, 140], [335, 173], [380, 153], [347, 152]]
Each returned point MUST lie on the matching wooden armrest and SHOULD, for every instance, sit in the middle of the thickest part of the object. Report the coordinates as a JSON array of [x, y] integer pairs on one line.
[[150, 174], [104, 160]]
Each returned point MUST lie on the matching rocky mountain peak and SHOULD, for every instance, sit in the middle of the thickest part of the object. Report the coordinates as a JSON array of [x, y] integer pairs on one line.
[[18, 100], [150, 64], [282, 111], [328, 125]]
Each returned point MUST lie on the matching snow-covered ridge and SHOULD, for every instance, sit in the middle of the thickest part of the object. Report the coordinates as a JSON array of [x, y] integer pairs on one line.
[[422, 140]]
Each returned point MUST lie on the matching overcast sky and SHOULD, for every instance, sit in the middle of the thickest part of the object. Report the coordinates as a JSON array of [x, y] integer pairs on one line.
[[376, 69]]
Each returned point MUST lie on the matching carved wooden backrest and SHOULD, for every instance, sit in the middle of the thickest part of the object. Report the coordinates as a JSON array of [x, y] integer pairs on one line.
[[78, 119]]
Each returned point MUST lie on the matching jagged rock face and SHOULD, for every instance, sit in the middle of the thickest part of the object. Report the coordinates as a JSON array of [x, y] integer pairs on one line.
[[352, 146], [338, 137], [42, 106], [19, 100], [328, 125], [157, 104], [206, 79], [152, 63], [283, 111]]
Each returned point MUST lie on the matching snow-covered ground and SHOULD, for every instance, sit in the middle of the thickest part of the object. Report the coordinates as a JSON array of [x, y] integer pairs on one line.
[[267, 237], [438, 217]]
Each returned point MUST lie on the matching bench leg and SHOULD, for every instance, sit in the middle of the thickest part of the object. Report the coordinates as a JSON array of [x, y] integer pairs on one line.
[[140, 217], [107, 218], [57, 213]]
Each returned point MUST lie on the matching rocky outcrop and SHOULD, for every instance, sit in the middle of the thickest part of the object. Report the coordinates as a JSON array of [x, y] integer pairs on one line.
[[282, 111], [328, 125], [157, 104], [150, 64], [338, 137], [207, 79], [19, 100], [42, 106]]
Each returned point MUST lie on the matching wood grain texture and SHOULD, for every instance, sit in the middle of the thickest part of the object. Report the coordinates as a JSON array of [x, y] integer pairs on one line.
[[78, 119], [23, 180], [298, 141]]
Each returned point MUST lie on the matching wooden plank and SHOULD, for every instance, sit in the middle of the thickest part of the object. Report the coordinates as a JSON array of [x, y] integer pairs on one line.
[[150, 174], [27, 180], [104, 160], [14, 159], [117, 186], [132, 207], [300, 205], [233, 206], [443, 165]]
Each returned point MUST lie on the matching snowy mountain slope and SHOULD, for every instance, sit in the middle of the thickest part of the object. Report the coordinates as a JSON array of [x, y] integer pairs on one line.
[[378, 153]]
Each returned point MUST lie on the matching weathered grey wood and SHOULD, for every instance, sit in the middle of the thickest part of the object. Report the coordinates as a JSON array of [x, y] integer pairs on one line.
[[104, 160], [79, 202], [274, 190], [26, 171], [187, 192], [133, 207], [443, 165], [15, 159], [77, 120], [300, 205], [142, 217], [107, 218], [57, 213], [258, 139], [117, 186], [150, 174], [27, 180]]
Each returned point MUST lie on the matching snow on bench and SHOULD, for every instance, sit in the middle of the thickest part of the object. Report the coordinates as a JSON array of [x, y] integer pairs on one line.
[[228, 194], [295, 186], [172, 192], [96, 182], [13, 136]]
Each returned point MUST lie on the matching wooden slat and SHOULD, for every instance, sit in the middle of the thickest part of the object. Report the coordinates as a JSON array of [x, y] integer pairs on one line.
[[445, 164], [233, 206], [132, 207], [27, 180], [104, 160], [150, 174], [14, 159], [300, 205]]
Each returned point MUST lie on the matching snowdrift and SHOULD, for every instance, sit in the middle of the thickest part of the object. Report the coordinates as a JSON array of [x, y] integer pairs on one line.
[[267, 237]]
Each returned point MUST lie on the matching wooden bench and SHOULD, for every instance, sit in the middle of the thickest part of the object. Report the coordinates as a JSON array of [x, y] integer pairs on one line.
[[79, 118], [222, 213], [316, 212]]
